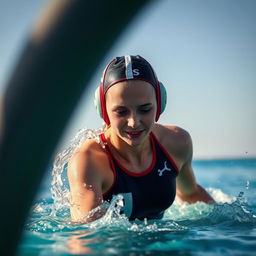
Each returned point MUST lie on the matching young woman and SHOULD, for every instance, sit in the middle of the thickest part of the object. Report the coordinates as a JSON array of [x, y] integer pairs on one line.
[[146, 162]]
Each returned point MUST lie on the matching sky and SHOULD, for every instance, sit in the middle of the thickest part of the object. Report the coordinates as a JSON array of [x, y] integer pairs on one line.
[[203, 51]]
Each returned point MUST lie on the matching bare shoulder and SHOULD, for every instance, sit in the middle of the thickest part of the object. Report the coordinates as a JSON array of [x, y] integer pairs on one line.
[[176, 140], [176, 134], [88, 161]]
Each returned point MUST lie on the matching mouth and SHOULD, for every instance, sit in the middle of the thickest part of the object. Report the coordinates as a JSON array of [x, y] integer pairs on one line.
[[134, 134]]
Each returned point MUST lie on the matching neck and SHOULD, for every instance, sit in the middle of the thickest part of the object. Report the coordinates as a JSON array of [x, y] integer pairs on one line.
[[131, 154]]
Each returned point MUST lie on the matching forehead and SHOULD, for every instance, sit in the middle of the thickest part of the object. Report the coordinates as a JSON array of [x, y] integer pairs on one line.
[[131, 88]]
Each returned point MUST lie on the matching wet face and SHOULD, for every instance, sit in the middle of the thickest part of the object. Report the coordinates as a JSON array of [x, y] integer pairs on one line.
[[131, 107]]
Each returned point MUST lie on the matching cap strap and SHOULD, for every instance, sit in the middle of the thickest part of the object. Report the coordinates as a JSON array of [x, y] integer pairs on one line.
[[128, 67]]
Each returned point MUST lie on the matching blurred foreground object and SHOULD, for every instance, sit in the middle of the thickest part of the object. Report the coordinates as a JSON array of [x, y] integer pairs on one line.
[[65, 47]]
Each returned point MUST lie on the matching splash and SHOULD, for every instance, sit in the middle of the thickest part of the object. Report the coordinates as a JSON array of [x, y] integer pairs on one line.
[[228, 211], [220, 197], [59, 186], [179, 216], [233, 213]]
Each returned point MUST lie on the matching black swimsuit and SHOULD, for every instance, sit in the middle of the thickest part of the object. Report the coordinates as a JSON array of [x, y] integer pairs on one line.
[[147, 194]]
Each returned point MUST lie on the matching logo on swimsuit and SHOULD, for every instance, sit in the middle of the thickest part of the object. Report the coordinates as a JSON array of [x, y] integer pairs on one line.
[[164, 169]]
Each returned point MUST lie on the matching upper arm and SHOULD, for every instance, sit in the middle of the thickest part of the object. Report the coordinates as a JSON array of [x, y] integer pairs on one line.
[[179, 146], [187, 188], [186, 181], [85, 185]]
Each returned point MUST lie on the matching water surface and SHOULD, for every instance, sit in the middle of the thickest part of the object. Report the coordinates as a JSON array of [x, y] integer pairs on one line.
[[225, 228]]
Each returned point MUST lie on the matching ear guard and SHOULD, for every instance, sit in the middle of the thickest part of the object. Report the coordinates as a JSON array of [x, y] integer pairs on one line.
[[97, 102]]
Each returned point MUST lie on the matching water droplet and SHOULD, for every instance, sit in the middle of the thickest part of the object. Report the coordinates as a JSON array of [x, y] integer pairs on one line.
[[241, 194], [134, 227], [247, 184]]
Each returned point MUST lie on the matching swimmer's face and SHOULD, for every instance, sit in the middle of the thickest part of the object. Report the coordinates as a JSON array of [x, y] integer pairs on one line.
[[131, 107]]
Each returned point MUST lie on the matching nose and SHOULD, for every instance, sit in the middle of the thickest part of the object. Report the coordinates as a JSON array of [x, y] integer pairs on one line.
[[133, 120]]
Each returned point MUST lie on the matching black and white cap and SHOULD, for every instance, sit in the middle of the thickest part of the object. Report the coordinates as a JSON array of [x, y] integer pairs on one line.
[[128, 68]]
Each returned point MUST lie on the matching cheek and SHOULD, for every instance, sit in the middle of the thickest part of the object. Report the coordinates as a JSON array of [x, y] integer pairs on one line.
[[116, 122], [149, 119], [152, 115]]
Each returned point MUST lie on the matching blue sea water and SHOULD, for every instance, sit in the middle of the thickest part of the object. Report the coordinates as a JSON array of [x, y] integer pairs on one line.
[[225, 228]]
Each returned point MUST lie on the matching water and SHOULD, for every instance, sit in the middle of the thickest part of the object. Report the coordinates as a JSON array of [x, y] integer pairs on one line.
[[226, 228]]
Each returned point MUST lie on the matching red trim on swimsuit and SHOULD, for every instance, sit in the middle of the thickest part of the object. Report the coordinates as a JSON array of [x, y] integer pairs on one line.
[[147, 171]]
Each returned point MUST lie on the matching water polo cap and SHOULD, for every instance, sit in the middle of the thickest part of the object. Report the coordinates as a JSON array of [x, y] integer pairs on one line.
[[128, 68]]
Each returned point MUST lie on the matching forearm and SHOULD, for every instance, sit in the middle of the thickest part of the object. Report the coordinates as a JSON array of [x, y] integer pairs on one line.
[[87, 216], [86, 205], [199, 194]]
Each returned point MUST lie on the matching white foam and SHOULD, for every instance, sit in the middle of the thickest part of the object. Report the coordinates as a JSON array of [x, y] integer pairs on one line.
[[220, 197]]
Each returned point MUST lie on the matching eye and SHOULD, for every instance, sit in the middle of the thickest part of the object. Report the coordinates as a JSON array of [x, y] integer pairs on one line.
[[121, 112], [145, 110]]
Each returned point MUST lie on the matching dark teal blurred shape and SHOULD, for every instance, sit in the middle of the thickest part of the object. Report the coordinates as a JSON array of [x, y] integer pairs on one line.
[[49, 78]]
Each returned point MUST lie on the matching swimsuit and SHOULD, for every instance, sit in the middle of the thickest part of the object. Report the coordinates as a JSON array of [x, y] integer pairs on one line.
[[149, 193]]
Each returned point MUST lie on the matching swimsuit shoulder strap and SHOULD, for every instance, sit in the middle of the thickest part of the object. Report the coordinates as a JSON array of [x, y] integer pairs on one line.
[[165, 152], [104, 144]]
